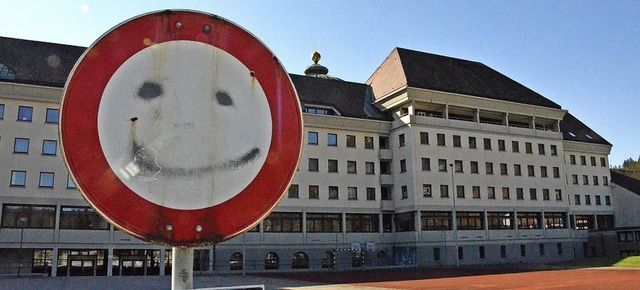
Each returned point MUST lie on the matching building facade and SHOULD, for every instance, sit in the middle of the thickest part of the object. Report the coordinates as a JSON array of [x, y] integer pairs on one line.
[[434, 161]]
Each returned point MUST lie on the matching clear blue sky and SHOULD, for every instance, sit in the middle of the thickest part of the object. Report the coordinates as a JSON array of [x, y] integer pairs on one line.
[[583, 55]]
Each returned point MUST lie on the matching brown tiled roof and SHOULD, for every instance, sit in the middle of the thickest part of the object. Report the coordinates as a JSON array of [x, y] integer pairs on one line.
[[574, 130], [39, 63], [627, 182]]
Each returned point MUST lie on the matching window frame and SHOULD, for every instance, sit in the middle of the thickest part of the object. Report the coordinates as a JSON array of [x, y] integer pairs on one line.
[[51, 119], [28, 110], [47, 152]]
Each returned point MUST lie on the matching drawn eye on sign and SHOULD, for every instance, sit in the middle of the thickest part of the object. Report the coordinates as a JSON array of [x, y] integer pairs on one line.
[[181, 128]]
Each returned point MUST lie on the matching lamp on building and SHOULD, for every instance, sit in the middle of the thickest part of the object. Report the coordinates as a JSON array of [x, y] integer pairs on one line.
[[455, 219]]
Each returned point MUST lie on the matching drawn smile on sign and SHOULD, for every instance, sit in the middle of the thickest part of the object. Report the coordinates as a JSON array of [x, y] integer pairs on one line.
[[173, 125]]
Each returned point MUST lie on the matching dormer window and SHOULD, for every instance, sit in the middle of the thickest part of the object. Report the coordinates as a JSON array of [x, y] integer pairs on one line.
[[317, 110]]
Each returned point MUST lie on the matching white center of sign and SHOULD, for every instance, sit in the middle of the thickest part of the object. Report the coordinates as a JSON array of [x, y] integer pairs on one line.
[[184, 125]]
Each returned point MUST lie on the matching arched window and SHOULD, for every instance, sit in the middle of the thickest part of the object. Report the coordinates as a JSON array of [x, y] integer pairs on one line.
[[328, 260], [235, 262], [271, 261], [300, 260]]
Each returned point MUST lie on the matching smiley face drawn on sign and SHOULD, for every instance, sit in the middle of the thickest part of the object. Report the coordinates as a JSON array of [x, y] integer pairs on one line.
[[184, 125]]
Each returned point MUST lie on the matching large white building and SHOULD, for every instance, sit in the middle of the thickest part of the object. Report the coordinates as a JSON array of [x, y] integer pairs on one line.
[[434, 161]]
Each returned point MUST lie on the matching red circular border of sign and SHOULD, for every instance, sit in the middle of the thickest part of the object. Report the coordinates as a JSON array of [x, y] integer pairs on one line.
[[124, 208]]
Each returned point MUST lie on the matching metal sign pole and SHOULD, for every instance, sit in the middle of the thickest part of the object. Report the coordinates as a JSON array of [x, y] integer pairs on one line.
[[182, 270]]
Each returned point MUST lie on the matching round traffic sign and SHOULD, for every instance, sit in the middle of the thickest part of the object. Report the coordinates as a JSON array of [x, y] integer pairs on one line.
[[181, 128]]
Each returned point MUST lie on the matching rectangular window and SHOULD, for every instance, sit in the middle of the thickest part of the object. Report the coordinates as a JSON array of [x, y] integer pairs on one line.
[[293, 192], [523, 250], [405, 222], [384, 142], [517, 170], [603, 162], [469, 220], [584, 222], [583, 160], [81, 218], [18, 178], [555, 220], [352, 193], [554, 150], [501, 145], [283, 222], [312, 138], [500, 220], [474, 166], [313, 164], [460, 253], [456, 141], [503, 251], [545, 194], [435, 220], [607, 200], [487, 144], [587, 199], [541, 249], [324, 222], [46, 179], [531, 170], [576, 199], [481, 252], [503, 169], [458, 166], [541, 149], [543, 171], [489, 167], [51, 116], [332, 166], [626, 236], [424, 138], [404, 192], [593, 161], [387, 222], [351, 141], [426, 190], [426, 164], [333, 192], [605, 181], [403, 165], [25, 113], [21, 145], [598, 200], [460, 191], [572, 159], [491, 192], [332, 139], [528, 147], [515, 146], [401, 141], [368, 142], [528, 220], [444, 190], [472, 143], [441, 140], [386, 192], [559, 249], [371, 193], [519, 193], [585, 180], [362, 223], [385, 167], [595, 180], [70, 183], [370, 168], [352, 167], [28, 216], [442, 165], [436, 254], [475, 190], [49, 147], [556, 172], [533, 194], [505, 193], [558, 194], [574, 178], [314, 192], [1, 111]]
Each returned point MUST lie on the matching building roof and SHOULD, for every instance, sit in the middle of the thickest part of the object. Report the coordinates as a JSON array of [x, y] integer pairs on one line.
[[38, 63], [447, 74], [348, 98], [574, 130], [625, 180]]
